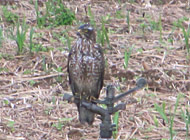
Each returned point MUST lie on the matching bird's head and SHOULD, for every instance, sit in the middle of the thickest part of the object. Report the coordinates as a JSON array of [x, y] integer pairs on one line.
[[86, 31]]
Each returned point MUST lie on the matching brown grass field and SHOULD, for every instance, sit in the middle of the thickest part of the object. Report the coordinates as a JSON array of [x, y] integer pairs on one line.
[[32, 85]]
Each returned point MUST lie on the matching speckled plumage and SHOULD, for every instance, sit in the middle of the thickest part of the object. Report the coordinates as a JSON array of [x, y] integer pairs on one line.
[[86, 71]]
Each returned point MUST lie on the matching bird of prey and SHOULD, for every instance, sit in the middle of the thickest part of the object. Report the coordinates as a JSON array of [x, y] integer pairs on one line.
[[86, 70]]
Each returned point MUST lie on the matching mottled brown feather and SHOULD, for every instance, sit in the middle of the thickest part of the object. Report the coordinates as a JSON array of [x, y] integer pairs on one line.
[[86, 70]]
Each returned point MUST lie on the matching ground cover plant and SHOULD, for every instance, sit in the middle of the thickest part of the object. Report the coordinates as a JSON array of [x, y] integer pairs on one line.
[[139, 40]]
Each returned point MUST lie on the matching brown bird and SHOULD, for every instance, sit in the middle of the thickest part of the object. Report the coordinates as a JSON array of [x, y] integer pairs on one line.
[[86, 70]]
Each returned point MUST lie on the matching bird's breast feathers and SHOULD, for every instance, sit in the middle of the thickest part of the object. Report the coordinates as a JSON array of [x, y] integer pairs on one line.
[[86, 61]]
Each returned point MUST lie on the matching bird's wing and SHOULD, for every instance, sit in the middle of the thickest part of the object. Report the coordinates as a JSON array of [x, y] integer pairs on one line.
[[71, 81], [69, 58], [102, 67]]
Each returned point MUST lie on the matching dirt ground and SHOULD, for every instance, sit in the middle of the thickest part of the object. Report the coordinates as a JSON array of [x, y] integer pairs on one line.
[[31, 87]]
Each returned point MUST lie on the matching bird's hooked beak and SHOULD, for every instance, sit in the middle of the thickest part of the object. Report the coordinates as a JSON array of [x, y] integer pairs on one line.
[[81, 32], [84, 30]]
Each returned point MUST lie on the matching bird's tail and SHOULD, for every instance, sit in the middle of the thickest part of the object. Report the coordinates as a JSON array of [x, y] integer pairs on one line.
[[85, 115]]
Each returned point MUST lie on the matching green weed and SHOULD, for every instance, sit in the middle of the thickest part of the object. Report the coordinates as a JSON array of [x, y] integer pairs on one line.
[[116, 122], [20, 36], [186, 116], [143, 26], [186, 36], [127, 55], [119, 14], [102, 35], [155, 121], [31, 45], [132, 1], [64, 38], [105, 34], [58, 126], [61, 123], [170, 39], [6, 101], [11, 124], [32, 82], [53, 100], [41, 20], [44, 64], [59, 78], [68, 41], [128, 19], [6, 56], [60, 14], [154, 25], [56, 14], [9, 16], [48, 110], [172, 117], [90, 14], [169, 121], [160, 27], [27, 71], [34, 47], [161, 111], [179, 22], [186, 33], [39, 47]]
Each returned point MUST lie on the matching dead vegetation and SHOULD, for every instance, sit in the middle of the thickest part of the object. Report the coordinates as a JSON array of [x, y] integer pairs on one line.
[[32, 86]]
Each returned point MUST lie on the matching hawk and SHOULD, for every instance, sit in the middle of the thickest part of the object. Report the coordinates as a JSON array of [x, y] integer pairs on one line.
[[86, 70]]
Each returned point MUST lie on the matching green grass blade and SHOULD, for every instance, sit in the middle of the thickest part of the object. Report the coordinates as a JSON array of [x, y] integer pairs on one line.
[[68, 41], [128, 19], [160, 27], [92, 21], [173, 116], [31, 37], [161, 112], [127, 56], [116, 121]]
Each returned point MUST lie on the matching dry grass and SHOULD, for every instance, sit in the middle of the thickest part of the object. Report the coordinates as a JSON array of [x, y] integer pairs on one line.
[[32, 110]]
